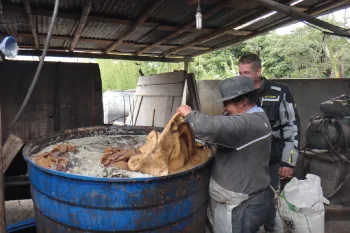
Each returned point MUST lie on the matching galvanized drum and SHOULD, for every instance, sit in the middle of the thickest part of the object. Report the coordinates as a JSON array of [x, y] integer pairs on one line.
[[73, 203]]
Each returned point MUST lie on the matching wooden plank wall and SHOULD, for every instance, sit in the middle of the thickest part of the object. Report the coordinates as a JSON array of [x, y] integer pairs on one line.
[[157, 98], [67, 95]]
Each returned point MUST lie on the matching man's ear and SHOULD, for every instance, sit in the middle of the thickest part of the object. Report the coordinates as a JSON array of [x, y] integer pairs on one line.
[[259, 72], [244, 102]]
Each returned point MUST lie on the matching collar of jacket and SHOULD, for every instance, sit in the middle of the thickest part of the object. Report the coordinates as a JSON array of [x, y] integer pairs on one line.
[[266, 84]]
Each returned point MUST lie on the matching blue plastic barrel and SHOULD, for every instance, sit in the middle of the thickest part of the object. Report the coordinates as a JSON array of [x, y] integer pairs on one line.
[[73, 203], [26, 226]]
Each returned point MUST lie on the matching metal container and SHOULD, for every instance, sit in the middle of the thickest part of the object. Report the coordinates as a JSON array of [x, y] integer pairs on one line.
[[73, 203]]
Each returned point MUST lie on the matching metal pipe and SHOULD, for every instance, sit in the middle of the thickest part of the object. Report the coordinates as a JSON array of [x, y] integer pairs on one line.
[[293, 13]]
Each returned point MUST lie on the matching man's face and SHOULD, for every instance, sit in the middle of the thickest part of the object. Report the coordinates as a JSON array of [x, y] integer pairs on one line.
[[234, 108], [249, 71]]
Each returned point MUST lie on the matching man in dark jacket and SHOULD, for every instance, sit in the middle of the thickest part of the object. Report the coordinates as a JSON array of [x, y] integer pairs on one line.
[[239, 186], [277, 101]]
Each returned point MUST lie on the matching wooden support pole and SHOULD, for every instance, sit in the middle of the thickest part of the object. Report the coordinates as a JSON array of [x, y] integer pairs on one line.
[[2, 191], [31, 23], [190, 24], [185, 65], [81, 25], [9, 151], [295, 14], [130, 30]]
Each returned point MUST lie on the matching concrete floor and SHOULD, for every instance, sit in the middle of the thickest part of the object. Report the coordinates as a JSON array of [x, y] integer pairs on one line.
[[18, 211], [21, 210]]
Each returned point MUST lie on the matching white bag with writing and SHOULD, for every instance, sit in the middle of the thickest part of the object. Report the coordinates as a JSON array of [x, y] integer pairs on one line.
[[302, 205]]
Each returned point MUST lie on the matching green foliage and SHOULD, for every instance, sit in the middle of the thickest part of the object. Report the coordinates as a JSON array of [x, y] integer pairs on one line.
[[149, 68], [118, 75], [303, 53], [123, 75]]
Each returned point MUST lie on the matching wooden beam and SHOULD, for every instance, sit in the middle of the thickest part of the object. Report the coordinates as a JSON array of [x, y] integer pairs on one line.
[[222, 31], [31, 23], [2, 191], [173, 28], [203, 39], [80, 27], [100, 18], [280, 23], [130, 30], [238, 32], [187, 26], [9, 151], [298, 15], [2, 21], [105, 42], [103, 56]]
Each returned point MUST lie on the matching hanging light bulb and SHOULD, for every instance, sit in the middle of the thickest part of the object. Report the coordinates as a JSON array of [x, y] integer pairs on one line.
[[198, 17]]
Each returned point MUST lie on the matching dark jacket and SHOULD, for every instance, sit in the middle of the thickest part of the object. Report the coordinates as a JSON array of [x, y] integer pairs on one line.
[[243, 149], [277, 101]]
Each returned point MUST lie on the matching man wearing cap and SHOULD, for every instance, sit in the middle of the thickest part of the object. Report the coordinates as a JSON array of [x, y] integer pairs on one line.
[[239, 185], [277, 101]]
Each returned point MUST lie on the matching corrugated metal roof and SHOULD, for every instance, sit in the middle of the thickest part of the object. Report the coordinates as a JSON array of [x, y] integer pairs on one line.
[[153, 37], [126, 8], [186, 37], [112, 18], [218, 41], [103, 31]]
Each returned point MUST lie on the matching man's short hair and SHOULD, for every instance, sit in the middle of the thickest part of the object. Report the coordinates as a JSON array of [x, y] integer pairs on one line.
[[251, 59]]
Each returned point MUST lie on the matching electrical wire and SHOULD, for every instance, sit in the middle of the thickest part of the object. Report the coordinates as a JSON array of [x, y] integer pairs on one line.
[[38, 71]]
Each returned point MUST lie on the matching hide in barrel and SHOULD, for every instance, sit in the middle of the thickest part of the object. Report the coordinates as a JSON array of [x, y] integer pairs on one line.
[[72, 203]]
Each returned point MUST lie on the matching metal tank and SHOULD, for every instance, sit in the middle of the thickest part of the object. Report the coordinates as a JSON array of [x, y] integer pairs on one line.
[[73, 203]]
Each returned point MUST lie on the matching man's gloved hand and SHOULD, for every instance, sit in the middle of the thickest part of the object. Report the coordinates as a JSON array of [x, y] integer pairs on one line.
[[286, 172]]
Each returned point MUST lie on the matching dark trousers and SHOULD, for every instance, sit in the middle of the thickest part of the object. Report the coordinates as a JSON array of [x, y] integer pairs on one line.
[[275, 183], [251, 214]]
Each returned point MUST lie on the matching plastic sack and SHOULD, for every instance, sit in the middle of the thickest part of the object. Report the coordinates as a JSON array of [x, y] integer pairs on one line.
[[222, 203], [302, 205]]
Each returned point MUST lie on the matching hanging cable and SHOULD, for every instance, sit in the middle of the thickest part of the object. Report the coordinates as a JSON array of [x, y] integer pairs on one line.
[[38, 71]]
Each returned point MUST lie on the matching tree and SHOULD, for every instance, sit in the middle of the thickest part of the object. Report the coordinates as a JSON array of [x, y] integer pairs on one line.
[[118, 75], [304, 53]]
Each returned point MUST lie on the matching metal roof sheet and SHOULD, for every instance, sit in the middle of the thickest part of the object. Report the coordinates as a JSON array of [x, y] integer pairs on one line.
[[111, 19]]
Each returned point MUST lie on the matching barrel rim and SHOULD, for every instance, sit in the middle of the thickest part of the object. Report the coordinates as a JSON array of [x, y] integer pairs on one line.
[[32, 143]]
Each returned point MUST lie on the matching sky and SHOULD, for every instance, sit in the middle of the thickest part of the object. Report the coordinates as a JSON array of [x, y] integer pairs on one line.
[[338, 15]]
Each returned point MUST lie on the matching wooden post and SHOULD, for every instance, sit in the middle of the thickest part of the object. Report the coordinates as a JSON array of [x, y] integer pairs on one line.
[[186, 65], [154, 113], [295, 14], [9, 151], [2, 193]]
